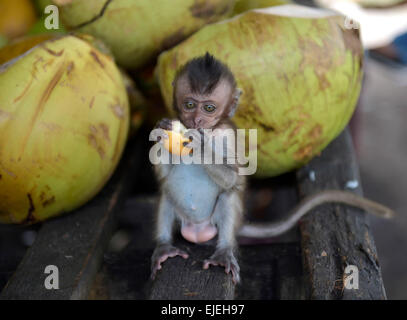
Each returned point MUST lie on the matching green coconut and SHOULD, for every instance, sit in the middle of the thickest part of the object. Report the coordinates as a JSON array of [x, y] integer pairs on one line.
[[138, 30], [40, 5], [246, 5], [64, 121], [300, 71], [379, 3], [16, 17]]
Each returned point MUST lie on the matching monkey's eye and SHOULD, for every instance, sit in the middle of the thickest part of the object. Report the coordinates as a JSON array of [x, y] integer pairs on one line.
[[209, 107], [189, 105]]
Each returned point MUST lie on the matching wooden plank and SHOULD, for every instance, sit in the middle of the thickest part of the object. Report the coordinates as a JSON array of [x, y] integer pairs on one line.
[[334, 236], [182, 279], [271, 271], [125, 274], [179, 278], [75, 243], [290, 278]]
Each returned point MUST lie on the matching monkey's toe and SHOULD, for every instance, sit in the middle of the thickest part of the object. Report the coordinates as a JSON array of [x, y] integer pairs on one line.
[[227, 260], [161, 254]]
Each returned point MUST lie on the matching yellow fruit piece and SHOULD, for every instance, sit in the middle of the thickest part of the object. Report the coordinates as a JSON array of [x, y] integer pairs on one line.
[[176, 140]]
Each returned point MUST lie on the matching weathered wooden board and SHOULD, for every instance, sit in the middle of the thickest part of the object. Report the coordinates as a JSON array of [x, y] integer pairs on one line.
[[186, 279], [334, 236], [272, 271], [75, 243]]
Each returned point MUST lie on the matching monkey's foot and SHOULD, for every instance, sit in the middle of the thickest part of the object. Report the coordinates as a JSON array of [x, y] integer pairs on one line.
[[226, 259], [163, 252]]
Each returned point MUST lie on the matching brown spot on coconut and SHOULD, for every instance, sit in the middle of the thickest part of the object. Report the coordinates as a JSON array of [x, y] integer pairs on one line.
[[202, 9], [118, 110], [70, 67], [52, 52], [92, 101], [105, 131], [97, 59], [93, 142], [48, 201]]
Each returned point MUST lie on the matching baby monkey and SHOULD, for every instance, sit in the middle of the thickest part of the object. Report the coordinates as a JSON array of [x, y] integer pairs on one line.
[[207, 199]]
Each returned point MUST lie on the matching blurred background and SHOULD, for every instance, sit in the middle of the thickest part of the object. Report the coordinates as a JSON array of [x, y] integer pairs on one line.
[[378, 127]]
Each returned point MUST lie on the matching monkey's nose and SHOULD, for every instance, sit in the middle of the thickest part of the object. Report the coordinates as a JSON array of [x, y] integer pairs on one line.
[[197, 123]]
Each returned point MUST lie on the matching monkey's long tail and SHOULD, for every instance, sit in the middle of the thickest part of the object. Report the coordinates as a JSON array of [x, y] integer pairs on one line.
[[267, 230]]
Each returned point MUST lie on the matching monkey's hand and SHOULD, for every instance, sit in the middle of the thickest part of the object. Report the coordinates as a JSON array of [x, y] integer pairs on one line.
[[161, 253], [165, 124], [225, 258], [158, 134]]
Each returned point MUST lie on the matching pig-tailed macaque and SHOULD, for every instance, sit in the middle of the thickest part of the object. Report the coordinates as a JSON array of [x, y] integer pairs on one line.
[[206, 199]]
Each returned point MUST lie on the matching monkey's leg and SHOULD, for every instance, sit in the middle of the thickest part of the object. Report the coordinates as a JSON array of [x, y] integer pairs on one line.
[[164, 248], [226, 217]]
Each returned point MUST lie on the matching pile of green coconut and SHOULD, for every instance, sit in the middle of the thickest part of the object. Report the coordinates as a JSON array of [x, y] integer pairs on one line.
[[70, 99]]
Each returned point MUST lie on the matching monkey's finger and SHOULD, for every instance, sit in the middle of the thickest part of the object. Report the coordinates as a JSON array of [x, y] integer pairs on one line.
[[159, 135], [207, 263], [227, 268], [181, 253], [162, 135], [235, 276], [185, 256], [165, 124], [154, 272], [157, 265], [175, 253]]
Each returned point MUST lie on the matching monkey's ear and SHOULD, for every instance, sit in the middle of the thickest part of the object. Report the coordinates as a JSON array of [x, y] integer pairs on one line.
[[236, 96]]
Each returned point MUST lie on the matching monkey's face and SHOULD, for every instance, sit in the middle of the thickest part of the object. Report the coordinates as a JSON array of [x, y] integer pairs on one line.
[[203, 110]]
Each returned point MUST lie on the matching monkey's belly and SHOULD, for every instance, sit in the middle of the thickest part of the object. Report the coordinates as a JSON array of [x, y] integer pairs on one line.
[[193, 192]]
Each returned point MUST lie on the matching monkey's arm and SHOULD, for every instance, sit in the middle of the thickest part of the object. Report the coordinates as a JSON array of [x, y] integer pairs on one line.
[[162, 171], [265, 230], [224, 175]]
